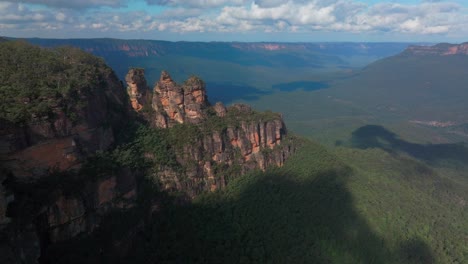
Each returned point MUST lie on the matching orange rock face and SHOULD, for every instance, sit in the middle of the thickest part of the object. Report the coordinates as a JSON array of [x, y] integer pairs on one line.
[[178, 104], [249, 145], [137, 88], [58, 154]]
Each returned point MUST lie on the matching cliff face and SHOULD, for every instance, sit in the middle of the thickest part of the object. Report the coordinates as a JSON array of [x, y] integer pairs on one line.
[[43, 148], [61, 178], [438, 50], [42, 214], [29, 154], [58, 125], [59, 141], [225, 142], [210, 161]]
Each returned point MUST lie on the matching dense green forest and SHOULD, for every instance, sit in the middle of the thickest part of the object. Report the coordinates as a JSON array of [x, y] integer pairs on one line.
[[321, 207]]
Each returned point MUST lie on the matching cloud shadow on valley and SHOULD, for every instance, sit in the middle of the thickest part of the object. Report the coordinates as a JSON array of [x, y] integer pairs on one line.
[[374, 136]]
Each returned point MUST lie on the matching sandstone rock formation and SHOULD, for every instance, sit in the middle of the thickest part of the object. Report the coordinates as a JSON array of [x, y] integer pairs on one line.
[[220, 109], [215, 158], [137, 88], [247, 140], [60, 142], [175, 104], [72, 214]]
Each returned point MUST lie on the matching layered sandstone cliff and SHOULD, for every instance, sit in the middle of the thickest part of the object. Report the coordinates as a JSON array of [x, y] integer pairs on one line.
[[62, 140], [217, 156], [58, 143], [443, 49]]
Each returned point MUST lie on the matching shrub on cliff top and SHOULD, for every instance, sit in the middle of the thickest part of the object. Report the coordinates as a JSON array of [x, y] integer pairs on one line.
[[35, 80]]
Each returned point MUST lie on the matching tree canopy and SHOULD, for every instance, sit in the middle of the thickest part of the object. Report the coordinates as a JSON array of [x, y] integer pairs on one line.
[[34, 80]]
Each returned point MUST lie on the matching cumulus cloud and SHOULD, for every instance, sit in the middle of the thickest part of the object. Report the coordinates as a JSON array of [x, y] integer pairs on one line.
[[80, 4], [180, 13], [240, 16], [343, 15], [196, 3], [17, 14]]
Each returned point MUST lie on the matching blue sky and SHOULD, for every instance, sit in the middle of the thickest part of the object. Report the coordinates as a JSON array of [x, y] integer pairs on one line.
[[239, 20]]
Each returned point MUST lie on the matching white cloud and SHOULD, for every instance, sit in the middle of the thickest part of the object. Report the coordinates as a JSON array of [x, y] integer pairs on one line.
[[73, 3], [60, 16], [240, 16], [180, 13], [12, 14], [196, 3]]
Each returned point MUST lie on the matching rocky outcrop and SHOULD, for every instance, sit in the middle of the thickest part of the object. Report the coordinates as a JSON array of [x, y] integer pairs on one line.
[[178, 104], [68, 215], [62, 141], [228, 143], [212, 160], [220, 109], [443, 49], [137, 89]]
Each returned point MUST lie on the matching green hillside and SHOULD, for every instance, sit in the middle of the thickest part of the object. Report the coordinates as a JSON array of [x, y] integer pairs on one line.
[[421, 97], [427, 88], [400, 124]]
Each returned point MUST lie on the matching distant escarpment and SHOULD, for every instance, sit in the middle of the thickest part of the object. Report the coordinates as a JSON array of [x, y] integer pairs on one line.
[[109, 48], [442, 49], [212, 144]]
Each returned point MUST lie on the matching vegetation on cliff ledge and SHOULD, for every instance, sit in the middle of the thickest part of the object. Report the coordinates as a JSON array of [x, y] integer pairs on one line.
[[235, 116]]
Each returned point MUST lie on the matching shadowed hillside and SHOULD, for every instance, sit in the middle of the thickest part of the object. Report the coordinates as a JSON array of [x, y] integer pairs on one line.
[[301, 213]]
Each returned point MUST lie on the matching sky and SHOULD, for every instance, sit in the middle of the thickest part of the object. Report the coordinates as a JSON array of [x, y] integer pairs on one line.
[[239, 20]]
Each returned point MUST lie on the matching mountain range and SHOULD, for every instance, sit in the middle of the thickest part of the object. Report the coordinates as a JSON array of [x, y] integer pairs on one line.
[[226, 62]]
